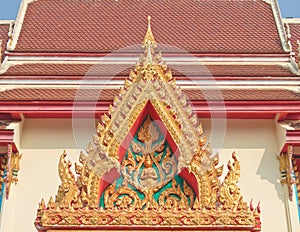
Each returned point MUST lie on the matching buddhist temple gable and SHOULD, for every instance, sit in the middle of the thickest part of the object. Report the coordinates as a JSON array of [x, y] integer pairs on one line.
[[229, 65], [149, 167]]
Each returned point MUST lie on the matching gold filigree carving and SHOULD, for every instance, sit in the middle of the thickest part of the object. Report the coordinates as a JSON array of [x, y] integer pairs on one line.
[[163, 218], [207, 173], [152, 81], [10, 166], [286, 170], [175, 206], [230, 195], [151, 151], [68, 190], [83, 191], [148, 194]]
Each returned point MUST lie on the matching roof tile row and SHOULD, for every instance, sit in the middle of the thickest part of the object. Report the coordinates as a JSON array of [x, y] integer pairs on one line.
[[214, 26]]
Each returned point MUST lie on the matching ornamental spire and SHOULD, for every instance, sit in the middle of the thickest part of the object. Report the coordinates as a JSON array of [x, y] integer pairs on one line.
[[149, 38]]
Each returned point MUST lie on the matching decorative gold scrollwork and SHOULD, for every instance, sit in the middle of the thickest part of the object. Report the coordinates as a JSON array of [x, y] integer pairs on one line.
[[149, 193], [230, 195]]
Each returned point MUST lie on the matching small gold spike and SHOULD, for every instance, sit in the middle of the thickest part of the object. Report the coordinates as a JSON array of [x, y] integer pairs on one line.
[[127, 83], [110, 109], [51, 204], [42, 205], [100, 128], [149, 38]]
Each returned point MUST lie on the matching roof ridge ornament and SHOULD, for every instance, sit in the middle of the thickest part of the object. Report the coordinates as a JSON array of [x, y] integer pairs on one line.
[[149, 37], [149, 44]]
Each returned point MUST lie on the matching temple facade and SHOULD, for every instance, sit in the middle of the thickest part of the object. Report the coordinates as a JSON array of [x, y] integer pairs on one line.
[[150, 115]]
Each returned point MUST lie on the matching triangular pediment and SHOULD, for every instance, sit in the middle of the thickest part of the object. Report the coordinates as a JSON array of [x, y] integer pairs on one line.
[[149, 167]]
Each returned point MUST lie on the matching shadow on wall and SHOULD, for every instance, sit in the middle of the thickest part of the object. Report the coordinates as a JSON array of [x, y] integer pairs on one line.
[[248, 137], [252, 138]]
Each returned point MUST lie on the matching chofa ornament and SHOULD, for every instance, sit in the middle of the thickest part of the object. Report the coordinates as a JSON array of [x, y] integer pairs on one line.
[[149, 167]]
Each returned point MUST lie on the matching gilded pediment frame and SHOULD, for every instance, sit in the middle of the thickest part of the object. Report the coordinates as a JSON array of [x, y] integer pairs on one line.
[[201, 202]]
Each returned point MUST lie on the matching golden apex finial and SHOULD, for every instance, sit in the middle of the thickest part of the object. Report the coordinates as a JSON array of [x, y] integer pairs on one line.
[[149, 38]]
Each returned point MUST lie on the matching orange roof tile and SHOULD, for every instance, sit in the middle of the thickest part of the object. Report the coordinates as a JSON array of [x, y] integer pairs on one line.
[[4, 29], [40, 94], [61, 69], [202, 26]]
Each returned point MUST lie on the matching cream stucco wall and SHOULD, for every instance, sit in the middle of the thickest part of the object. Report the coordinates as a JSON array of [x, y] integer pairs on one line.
[[42, 141]]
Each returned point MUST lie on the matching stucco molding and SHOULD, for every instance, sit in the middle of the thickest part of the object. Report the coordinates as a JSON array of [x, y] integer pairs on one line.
[[291, 20], [3, 22]]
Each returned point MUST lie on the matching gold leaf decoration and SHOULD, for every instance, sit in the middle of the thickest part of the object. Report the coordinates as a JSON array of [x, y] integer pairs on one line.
[[149, 195]]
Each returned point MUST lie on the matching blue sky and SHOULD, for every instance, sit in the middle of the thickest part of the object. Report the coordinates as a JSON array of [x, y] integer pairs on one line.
[[9, 8]]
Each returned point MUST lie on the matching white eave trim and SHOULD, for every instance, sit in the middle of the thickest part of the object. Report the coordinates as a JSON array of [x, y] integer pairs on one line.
[[117, 84], [279, 24], [45, 59], [291, 20], [4, 22], [18, 24]]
